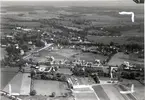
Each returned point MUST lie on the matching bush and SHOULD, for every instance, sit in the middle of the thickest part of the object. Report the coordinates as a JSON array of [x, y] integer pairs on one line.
[[39, 43], [53, 94], [33, 92]]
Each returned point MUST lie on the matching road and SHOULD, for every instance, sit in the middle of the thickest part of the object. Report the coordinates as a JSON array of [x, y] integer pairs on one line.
[[48, 45]]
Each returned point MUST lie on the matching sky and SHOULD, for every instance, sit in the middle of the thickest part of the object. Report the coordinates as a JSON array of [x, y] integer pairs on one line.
[[71, 2]]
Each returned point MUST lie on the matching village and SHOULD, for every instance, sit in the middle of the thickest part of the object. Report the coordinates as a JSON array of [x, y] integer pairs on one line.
[[67, 71], [71, 53]]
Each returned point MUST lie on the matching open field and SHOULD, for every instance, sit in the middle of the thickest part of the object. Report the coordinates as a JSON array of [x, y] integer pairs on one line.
[[119, 59], [2, 53], [28, 15], [47, 87], [27, 24], [20, 83], [40, 97], [85, 96], [111, 92], [139, 88], [70, 54], [132, 33], [67, 52], [76, 80], [64, 71], [6, 75], [90, 57], [101, 93], [107, 39]]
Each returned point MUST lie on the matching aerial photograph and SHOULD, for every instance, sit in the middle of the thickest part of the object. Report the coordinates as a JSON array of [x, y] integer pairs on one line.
[[72, 50]]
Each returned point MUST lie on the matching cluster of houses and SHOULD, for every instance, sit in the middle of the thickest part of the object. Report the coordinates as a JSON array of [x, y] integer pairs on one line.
[[82, 68]]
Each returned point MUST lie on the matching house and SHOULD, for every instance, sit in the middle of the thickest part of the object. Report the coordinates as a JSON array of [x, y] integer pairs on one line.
[[26, 29]]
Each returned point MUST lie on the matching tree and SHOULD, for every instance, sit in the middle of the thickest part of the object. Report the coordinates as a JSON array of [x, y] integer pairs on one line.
[[24, 47], [39, 43], [111, 43], [53, 94], [33, 92]]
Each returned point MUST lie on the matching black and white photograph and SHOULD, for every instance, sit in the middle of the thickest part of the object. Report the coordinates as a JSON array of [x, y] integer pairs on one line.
[[72, 50]]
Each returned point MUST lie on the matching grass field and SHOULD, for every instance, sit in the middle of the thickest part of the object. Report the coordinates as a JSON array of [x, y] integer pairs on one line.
[[107, 39], [132, 33], [6, 75], [2, 53], [119, 59], [27, 24], [25, 15], [64, 71], [111, 92], [58, 54], [76, 80], [20, 83], [85, 96], [47, 87], [90, 57], [139, 88]]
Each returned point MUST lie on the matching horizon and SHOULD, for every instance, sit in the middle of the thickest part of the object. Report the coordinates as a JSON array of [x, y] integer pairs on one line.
[[85, 3]]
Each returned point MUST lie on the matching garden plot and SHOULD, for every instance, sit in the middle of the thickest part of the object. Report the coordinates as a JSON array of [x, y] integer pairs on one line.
[[47, 87]]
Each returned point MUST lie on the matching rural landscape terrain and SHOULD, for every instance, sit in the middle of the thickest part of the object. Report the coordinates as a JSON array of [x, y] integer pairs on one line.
[[72, 51]]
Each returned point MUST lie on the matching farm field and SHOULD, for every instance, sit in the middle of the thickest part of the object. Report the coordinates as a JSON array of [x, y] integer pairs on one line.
[[111, 92], [85, 96], [132, 33], [64, 71], [107, 39], [25, 24], [85, 80], [71, 54], [26, 15], [139, 88], [2, 53], [22, 86], [76, 80], [67, 52], [120, 57], [90, 57], [47, 87], [6, 75], [101, 93]]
